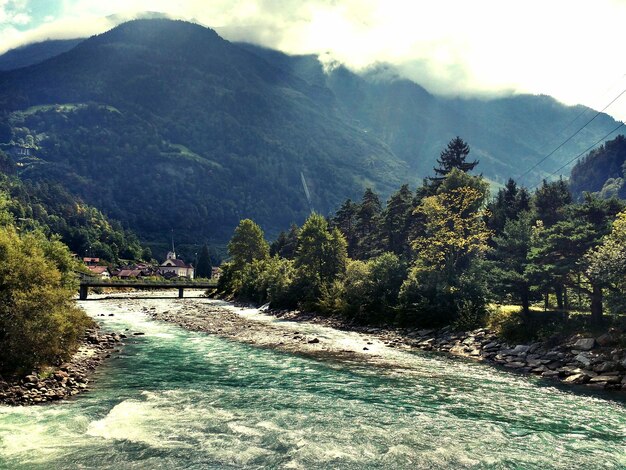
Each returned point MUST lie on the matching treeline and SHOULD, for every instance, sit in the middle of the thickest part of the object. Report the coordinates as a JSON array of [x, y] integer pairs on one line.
[[442, 254], [40, 325]]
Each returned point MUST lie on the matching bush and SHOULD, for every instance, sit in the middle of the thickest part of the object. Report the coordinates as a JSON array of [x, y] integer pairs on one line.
[[39, 322]]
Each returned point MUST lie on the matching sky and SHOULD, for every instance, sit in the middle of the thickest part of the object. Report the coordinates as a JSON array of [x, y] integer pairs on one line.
[[570, 49]]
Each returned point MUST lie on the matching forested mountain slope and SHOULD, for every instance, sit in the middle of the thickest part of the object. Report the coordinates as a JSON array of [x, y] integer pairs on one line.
[[164, 125], [602, 170], [507, 134]]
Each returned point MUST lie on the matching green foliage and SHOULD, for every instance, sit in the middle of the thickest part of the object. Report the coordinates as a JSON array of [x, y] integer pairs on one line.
[[367, 291], [39, 322], [321, 255], [247, 244]]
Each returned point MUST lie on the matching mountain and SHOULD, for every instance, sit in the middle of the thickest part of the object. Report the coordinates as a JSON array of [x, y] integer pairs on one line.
[[507, 134], [35, 53], [602, 170], [165, 126]]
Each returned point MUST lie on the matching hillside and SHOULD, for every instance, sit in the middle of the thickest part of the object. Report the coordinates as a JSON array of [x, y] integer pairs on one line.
[[51, 208], [602, 170], [191, 133], [508, 134], [164, 126]]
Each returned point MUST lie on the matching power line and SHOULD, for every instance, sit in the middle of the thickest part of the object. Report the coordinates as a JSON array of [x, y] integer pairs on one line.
[[581, 153], [571, 136]]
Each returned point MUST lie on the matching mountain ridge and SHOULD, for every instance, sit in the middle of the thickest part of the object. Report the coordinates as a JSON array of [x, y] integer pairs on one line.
[[204, 132]]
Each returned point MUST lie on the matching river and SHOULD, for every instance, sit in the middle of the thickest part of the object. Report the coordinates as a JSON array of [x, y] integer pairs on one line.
[[179, 399]]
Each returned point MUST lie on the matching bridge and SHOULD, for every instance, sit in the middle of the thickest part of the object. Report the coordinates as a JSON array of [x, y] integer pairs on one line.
[[181, 285]]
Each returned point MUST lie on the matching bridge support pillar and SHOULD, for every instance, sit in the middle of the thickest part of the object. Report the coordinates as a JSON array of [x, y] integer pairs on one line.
[[82, 294], [180, 292]]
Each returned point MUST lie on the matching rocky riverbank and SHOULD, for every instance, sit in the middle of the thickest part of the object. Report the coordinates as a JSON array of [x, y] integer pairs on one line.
[[597, 362], [68, 379]]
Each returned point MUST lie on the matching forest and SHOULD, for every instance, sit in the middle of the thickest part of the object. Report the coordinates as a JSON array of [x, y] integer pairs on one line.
[[445, 254]]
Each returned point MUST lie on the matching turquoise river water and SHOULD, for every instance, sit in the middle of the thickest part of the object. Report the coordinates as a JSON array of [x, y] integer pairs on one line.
[[177, 399]]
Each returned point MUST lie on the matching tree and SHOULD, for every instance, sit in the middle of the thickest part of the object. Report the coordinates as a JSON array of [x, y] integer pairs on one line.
[[607, 262], [549, 201], [558, 252], [368, 219], [454, 229], [39, 323], [203, 269], [321, 254], [453, 156], [345, 220], [247, 244], [396, 221], [507, 205], [444, 283], [286, 244], [510, 254]]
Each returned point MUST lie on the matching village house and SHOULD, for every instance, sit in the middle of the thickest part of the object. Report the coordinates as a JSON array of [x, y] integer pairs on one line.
[[91, 261], [100, 271]]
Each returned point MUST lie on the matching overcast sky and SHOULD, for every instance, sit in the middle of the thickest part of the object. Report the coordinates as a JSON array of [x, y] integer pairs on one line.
[[570, 49]]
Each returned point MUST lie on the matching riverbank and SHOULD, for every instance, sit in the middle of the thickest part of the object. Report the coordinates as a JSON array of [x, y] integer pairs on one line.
[[596, 362], [67, 380]]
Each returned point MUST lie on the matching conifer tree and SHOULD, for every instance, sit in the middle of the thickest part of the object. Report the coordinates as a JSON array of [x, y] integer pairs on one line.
[[368, 226], [454, 156], [397, 221], [203, 269]]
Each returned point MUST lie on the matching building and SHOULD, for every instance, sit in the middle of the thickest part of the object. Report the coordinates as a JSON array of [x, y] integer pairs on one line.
[[100, 271], [91, 261], [173, 266]]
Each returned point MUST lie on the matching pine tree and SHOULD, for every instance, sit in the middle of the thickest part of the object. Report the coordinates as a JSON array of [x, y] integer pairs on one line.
[[345, 220], [507, 205], [397, 221], [454, 156], [368, 226], [203, 269]]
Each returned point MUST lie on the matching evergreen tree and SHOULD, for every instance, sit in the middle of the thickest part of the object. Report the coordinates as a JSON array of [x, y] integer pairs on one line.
[[558, 252], [396, 223], [511, 251], [286, 244], [454, 156], [507, 205], [345, 220], [368, 226], [549, 201], [203, 269]]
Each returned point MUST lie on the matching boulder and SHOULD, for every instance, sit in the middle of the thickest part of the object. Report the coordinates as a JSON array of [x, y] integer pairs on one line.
[[584, 344], [583, 359], [520, 349], [610, 379], [607, 366], [606, 339], [576, 379]]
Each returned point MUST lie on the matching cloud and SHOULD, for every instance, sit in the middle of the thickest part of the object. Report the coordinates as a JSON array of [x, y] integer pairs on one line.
[[570, 49]]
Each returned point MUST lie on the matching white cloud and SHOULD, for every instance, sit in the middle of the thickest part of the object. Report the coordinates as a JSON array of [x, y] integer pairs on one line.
[[570, 49]]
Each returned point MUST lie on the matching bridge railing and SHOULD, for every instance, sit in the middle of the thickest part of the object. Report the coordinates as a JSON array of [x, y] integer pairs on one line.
[[150, 282]]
